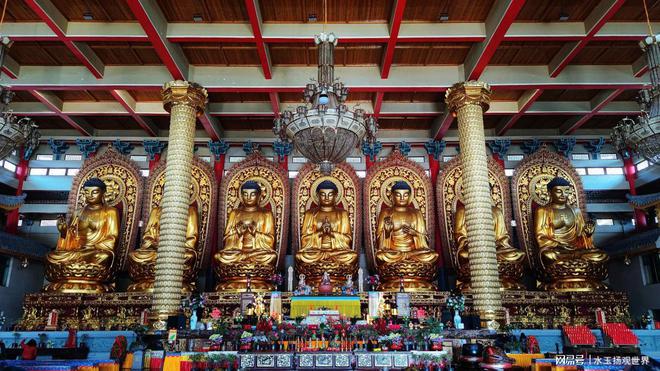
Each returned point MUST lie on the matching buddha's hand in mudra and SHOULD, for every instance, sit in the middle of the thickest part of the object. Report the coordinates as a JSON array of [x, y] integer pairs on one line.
[[388, 225], [61, 225], [589, 227], [241, 228], [326, 227]]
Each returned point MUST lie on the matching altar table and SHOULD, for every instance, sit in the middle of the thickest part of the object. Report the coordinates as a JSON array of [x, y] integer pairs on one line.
[[348, 306]]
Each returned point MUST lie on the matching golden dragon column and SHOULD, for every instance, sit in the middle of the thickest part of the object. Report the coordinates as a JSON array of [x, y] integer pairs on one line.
[[468, 101], [185, 101]]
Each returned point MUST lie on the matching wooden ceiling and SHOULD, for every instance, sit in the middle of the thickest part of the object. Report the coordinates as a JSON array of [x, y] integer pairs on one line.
[[382, 35]]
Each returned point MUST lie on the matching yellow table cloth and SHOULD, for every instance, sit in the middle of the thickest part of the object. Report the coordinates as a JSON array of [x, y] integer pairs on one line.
[[348, 306]]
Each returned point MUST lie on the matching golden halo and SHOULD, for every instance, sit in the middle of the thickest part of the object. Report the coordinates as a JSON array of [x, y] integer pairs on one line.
[[340, 189], [539, 191], [386, 190], [264, 185]]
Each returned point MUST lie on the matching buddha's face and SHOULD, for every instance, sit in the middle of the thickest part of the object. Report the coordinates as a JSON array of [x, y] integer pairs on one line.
[[327, 197], [93, 195], [250, 197], [401, 197], [559, 195]]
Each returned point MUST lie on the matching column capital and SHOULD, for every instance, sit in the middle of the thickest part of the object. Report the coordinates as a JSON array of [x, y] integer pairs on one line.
[[468, 92], [186, 93]]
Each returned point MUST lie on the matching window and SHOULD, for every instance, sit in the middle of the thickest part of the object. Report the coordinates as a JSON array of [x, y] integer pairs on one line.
[[72, 172], [9, 166], [514, 157], [145, 172], [604, 222], [293, 174], [20, 222], [5, 269], [57, 172], [353, 160], [580, 156], [513, 223], [45, 157], [48, 223], [595, 171], [73, 157], [614, 170], [641, 166], [651, 268], [139, 158], [447, 158], [581, 171], [608, 156], [206, 158], [299, 160], [418, 159], [508, 172], [38, 171], [361, 173], [233, 159]]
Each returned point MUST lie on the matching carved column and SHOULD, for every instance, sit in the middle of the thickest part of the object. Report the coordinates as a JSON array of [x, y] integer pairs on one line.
[[185, 101], [468, 101]]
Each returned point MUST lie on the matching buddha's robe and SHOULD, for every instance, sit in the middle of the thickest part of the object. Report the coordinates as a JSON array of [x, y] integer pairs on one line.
[[315, 246], [253, 248], [399, 245]]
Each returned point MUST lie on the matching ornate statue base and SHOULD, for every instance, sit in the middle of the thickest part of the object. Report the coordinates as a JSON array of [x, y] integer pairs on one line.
[[233, 277], [416, 276], [143, 278], [78, 279], [576, 275], [510, 273], [527, 309]]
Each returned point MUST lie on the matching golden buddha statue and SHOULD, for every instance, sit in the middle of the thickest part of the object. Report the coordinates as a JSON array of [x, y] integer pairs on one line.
[[402, 242], [565, 243], [142, 261], [509, 259], [326, 243], [249, 243], [85, 254]]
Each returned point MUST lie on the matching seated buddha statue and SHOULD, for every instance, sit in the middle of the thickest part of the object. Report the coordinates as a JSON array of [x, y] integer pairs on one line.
[[326, 237], [249, 242], [142, 261], [509, 259], [402, 240], [565, 243], [83, 259]]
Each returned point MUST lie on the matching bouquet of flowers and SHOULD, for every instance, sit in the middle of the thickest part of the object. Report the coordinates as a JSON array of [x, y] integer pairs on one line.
[[216, 341], [436, 341], [456, 302], [246, 337], [276, 279], [373, 281]]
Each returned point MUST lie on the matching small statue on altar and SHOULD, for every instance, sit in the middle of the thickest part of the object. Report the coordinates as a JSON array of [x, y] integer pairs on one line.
[[326, 236], [303, 288], [349, 286], [325, 287], [565, 242], [259, 305], [509, 258], [51, 322], [86, 247], [249, 239], [142, 261]]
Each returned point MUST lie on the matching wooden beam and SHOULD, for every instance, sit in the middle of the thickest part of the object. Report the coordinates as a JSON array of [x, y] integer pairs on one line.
[[441, 125], [395, 26], [152, 20], [594, 22], [275, 102], [10, 67], [378, 103], [54, 103], [500, 18], [597, 103], [58, 23], [640, 66], [524, 102], [254, 14], [128, 102], [211, 125]]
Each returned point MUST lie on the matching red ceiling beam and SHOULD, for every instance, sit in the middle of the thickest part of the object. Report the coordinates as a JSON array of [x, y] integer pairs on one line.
[[54, 103], [378, 103], [211, 126], [128, 102], [58, 24], [597, 103], [262, 49], [640, 66], [499, 20], [395, 26], [528, 98], [153, 22], [275, 102], [594, 22], [441, 125]]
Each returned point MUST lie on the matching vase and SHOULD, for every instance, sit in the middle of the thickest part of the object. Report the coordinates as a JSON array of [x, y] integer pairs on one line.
[[193, 320], [457, 320]]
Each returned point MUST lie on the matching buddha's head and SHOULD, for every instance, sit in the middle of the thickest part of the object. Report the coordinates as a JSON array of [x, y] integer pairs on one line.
[[327, 192], [94, 191], [401, 193], [558, 189], [250, 193]]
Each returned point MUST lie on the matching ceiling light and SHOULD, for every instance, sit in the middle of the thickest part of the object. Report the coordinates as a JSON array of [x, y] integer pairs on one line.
[[88, 16], [444, 17], [563, 17], [198, 18]]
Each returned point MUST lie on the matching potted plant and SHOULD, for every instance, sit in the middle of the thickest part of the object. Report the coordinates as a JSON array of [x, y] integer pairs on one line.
[[246, 341], [436, 341]]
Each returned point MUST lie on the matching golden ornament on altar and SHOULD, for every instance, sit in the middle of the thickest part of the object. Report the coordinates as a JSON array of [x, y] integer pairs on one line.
[[253, 221], [549, 206], [142, 261], [399, 243], [451, 211], [326, 232], [93, 244]]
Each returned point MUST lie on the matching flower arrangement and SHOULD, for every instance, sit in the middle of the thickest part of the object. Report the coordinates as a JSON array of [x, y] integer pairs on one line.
[[373, 281], [246, 337], [435, 338], [456, 302], [276, 279]]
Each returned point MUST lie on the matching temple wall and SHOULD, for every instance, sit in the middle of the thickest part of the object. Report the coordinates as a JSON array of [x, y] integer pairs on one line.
[[21, 281], [631, 280]]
